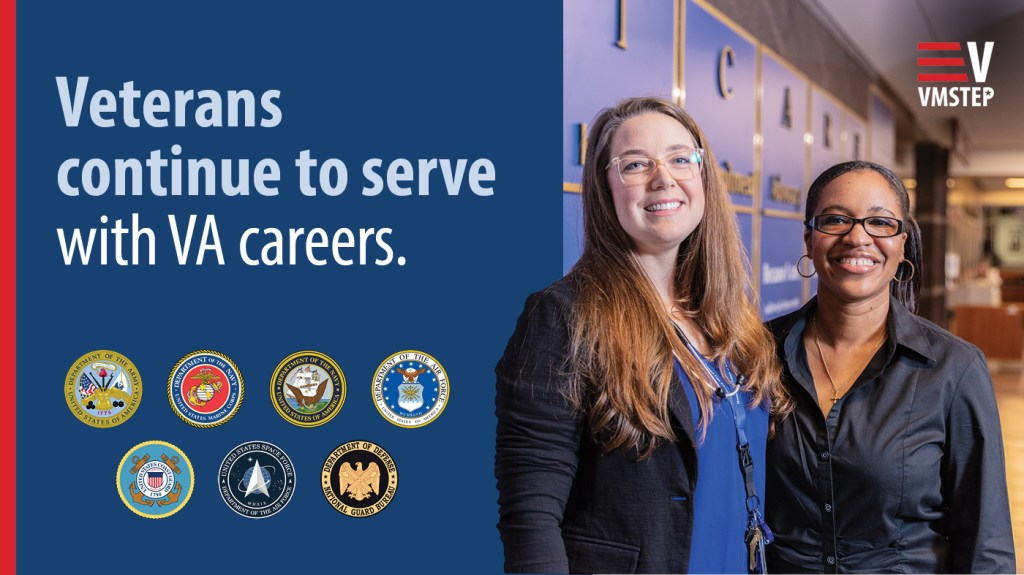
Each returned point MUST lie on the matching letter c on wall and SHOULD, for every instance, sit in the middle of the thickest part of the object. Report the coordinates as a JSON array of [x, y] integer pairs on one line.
[[726, 59]]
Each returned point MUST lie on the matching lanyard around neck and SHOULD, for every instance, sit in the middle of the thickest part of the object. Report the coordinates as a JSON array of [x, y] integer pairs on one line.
[[757, 535], [724, 391]]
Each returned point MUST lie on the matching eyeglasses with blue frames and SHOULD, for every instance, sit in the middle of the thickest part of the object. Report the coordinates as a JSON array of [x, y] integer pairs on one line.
[[840, 225], [637, 170]]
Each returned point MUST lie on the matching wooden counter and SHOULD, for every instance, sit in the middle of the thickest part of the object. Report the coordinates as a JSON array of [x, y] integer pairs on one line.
[[997, 330]]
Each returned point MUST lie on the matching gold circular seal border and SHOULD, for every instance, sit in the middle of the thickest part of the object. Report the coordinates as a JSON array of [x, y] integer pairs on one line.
[[447, 396], [241, 387], [357, 445], [71, 380], [191, 472], [333, 364]]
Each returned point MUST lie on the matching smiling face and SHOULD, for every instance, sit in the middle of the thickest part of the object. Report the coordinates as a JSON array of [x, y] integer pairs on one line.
[[662, 213], [856, 266]]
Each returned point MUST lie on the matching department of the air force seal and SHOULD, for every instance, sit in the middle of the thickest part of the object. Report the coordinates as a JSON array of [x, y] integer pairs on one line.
[[256, 479], [103, 388], [410, 389], [359, 478], [155, 479], [205, 388], [307, 388]]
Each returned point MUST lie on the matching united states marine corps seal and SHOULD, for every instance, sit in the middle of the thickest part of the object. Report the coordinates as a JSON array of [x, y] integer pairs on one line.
[[205, 388], [103, 388], [256, 479], [307, 388], [155, 479], [410, 389], [359, 478]]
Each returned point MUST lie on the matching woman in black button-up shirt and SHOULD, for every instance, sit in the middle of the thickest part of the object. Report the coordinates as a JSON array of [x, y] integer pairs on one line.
[[893, 458]]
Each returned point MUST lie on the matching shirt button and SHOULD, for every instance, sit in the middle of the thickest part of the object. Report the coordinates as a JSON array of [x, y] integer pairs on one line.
[[828, 508], [830, 560], [824, 455]]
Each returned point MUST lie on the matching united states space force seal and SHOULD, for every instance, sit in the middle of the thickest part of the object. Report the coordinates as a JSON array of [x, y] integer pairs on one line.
[[359, 478], [307, 388], [103, 388], [256, 479], [205, 388], [155, 479], [410, 389]]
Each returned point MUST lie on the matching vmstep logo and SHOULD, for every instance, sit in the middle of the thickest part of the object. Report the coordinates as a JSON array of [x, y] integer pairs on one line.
[[949, 56]]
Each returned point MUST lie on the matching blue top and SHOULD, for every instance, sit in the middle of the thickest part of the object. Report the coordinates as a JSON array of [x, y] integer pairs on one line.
[[720, 514]]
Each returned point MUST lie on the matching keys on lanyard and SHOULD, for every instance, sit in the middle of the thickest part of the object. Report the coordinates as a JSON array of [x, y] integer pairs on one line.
[[755, 549], [758, 535]]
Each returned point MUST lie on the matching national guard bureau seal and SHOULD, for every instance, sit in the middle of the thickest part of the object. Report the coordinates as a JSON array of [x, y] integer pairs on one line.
[[155, 479], [307, 388], [410, 389], [256, 479], [103, 388], [205, 388], [359, 478]]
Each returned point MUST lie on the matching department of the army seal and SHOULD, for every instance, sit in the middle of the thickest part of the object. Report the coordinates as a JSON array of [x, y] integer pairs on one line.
[[155, 479], [256, 479], [359, 478], [205, 388], [410, 389], [307, 388], [103, 388]]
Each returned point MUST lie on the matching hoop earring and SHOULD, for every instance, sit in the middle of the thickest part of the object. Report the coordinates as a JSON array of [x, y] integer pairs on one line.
[[800, 271], [896, 277]]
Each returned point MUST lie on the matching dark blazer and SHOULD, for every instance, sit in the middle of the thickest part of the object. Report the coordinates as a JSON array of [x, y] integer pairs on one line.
[[564, 505]]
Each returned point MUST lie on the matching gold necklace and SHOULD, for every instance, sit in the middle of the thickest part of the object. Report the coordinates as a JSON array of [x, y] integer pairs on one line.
[[836, 390]]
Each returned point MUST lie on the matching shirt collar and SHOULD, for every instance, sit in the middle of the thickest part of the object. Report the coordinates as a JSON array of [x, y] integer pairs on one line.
[[909, 329]]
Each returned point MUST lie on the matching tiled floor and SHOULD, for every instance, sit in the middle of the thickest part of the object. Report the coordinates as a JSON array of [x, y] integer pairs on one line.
[[1009, 384]]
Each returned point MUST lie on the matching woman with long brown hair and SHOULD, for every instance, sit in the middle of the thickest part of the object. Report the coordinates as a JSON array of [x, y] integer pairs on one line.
[[645, 363]]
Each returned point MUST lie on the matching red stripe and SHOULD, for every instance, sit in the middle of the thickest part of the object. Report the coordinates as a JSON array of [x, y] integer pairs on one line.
[[940, 61], [942, 77], [8, 309], [938, 45]]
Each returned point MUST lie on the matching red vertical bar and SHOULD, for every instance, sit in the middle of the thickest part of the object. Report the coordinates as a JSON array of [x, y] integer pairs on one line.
[[8, 514]]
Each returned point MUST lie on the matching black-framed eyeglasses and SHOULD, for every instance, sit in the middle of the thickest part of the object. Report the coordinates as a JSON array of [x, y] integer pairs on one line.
[[840, 225]]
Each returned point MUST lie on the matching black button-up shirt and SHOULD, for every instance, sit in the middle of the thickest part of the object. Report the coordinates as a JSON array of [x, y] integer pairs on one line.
[[906, 473]]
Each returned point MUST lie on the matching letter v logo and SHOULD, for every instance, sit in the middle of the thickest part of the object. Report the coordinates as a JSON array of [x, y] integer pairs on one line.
[[980, 68]]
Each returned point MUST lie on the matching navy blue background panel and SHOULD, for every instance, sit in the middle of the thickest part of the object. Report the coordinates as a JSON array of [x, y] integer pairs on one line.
[[358, 80]]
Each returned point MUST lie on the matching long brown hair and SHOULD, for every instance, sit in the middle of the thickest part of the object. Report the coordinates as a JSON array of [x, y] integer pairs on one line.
[[622, 339]]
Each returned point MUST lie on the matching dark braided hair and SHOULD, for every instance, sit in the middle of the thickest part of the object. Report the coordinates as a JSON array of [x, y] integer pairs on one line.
[[905, 291]]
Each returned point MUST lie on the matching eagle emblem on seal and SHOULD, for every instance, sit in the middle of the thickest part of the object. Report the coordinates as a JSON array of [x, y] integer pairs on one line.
[[359, 482]]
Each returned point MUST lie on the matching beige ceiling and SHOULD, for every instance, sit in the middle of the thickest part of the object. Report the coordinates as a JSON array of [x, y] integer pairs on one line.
[[886, 33]]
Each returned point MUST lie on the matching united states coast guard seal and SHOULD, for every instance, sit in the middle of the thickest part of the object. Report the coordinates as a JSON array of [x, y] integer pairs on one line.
[[359, 478], [256, 479], [410, 389], [103, 388], [205, 388], [307, 388], [155, 479]]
